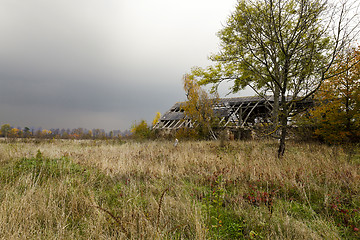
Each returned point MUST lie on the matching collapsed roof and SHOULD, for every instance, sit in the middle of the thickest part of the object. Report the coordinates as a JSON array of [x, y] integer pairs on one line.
[[232, 112]]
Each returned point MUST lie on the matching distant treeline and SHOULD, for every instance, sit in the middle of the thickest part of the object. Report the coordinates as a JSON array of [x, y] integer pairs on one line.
[[77, 133]]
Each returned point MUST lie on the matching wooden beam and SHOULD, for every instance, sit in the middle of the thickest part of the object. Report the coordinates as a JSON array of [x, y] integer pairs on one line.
[[252, 109], [233, 114], [166, 124]]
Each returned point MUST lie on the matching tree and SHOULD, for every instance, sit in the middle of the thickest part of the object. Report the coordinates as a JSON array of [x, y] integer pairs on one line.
[[156, 119], [199, 107], [45, 133], [282, 47], [98, 133], [336, 117], [5, 129], [27, 132], [13, 133], [141, 130], [88, 135], [78, 133]]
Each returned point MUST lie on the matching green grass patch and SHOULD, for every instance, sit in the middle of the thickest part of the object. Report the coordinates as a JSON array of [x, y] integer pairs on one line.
[[60, 186]]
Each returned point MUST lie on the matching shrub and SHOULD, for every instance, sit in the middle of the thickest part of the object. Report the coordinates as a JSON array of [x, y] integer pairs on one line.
[[141, 130]]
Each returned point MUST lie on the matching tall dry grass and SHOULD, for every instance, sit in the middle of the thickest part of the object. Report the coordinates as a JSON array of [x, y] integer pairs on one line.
[[197, 190]]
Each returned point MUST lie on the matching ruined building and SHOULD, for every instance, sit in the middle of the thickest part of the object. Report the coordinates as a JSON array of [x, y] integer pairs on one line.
[[235, 113]]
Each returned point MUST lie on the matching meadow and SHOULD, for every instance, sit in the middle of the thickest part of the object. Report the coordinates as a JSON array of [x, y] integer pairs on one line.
[[68, 189]]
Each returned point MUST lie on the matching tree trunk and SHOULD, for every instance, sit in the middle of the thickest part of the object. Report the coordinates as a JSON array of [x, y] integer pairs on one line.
[[281, 149], [275, 113], [284, 126]]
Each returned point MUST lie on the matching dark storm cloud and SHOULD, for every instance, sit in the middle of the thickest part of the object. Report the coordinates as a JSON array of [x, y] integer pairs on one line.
[[100, 63], [90, 93]]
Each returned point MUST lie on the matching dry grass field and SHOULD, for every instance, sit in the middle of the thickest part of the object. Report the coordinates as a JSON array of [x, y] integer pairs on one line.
[[198, 190]]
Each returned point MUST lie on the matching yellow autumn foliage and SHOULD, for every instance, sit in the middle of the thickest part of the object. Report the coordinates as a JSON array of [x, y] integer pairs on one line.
[[156, 118], [336, 117]]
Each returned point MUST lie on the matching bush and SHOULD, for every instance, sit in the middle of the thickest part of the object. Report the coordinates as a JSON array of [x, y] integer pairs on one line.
[[141, 131]]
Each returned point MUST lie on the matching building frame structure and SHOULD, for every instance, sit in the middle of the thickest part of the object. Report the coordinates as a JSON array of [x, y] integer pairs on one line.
[[239, 112]]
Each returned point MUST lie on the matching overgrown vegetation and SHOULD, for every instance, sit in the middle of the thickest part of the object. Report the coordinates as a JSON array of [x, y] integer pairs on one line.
[[198, 110], [336, 116], [285, 48], [141, 130], [197, 190]]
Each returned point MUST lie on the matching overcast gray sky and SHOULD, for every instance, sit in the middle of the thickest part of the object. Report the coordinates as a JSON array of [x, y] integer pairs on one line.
[[100, 63]]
